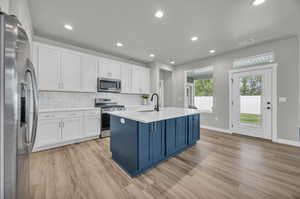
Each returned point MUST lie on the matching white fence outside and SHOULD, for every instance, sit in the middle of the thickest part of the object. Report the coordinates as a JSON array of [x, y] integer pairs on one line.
[[249, 104], [204, 102]]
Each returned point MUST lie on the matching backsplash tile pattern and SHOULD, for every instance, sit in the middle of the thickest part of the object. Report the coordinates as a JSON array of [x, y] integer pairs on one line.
[[49, 100]]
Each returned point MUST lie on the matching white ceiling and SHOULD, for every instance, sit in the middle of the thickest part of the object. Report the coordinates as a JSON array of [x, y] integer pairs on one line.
[[222, 25]]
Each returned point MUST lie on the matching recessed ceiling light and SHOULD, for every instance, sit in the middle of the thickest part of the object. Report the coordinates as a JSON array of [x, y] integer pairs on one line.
[[212, 51], [119, 44], [172, 62], [68, 27], [159, 14], [194, 38], [151, 55], [258, 2]]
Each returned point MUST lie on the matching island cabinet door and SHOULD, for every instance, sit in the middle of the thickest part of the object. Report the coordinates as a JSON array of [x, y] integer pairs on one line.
[[181, 133], [145, 142], [151, 143], [176, 135], [170, 137], [158, 141], [193, 129]]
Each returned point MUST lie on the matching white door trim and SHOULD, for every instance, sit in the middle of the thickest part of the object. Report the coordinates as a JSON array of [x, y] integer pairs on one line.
[[273, 67]]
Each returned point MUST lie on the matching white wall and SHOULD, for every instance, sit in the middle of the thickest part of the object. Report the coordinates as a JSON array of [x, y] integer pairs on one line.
[[4, 5], [20, 8], [166, 76], [287, 56]]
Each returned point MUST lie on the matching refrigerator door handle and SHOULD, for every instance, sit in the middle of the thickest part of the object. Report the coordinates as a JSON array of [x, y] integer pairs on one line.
[[31, 139]]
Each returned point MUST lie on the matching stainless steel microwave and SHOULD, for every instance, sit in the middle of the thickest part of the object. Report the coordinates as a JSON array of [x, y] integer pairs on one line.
[[109, 85]]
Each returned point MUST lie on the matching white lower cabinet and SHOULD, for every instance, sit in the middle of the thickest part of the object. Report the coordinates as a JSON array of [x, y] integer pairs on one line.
[[92, 125], [71, 129], [61, 128], [49, 132]]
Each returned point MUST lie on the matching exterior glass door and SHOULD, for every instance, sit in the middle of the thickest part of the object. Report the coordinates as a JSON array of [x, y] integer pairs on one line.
[[252, 103]]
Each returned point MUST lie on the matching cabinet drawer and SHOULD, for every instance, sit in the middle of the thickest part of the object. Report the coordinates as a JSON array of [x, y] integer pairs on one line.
[[71, 114], [92, 112], [47, 116]]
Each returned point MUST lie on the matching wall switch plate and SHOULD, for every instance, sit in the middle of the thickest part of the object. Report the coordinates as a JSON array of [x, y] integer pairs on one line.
[[282, 100]]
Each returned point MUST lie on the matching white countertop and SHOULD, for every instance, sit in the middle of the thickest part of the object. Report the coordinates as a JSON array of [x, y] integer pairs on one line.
[[163, 114], [67, 109]]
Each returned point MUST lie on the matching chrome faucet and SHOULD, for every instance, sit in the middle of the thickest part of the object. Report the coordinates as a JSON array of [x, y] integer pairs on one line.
[[157, 101]]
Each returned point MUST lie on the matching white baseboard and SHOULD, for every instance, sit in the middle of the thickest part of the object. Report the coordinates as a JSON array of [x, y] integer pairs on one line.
[[276, 140], [60, 144], [216, 129], [287, 142]]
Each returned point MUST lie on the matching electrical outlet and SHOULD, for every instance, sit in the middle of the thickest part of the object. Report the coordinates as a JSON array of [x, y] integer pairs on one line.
[[216, 118]]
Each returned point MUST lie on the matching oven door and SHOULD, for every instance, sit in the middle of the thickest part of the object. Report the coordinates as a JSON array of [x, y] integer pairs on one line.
[[109, 85], [105, 121]]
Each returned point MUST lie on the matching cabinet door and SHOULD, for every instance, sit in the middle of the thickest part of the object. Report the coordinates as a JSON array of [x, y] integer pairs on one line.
[[115, 69], [181, 133], [88, 73], [109, 69], [135, 87], [70, 71], [144, 74], [145, 143], [146, 88], [170, 137], [193, 129], [48, 133], [71, 129], [158, 141], [126, 74], [104, 71], [48, 62], [92, 126]]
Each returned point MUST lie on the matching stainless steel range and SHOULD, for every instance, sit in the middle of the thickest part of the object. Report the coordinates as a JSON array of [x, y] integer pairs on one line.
[[106, 106]]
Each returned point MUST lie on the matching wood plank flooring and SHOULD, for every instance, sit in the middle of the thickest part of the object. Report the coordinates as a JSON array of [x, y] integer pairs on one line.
[[220, 166]]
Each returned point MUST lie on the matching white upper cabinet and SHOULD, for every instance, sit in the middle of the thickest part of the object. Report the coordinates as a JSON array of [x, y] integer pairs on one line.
[[146, 80], [135, 80], [89, 73], [109, 69], [70, 71], [126, 76], [48, 65], [60, 69], [140, 80]]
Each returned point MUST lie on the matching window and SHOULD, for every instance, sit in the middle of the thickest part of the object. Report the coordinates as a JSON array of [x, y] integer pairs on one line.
[[204, 94], [200, 86]]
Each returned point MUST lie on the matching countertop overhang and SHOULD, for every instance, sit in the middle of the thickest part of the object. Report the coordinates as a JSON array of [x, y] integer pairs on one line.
[[163, 114]]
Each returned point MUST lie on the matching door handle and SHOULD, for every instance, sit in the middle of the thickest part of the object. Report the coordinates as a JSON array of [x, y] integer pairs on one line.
[[31, 140]]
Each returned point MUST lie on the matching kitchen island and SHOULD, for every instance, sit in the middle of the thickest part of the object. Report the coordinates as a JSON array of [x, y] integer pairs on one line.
[[142, 139]]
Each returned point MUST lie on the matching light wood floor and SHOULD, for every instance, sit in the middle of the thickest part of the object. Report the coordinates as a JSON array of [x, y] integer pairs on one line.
[[220, 166]]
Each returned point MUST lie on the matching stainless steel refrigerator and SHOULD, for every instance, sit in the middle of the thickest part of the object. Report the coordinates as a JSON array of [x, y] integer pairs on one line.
[[18, 108]]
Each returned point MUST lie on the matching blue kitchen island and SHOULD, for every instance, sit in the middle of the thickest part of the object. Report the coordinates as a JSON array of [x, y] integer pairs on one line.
[[141, 140]]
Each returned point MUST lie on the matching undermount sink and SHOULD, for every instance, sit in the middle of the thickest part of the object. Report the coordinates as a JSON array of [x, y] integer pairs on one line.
[[147, 111]]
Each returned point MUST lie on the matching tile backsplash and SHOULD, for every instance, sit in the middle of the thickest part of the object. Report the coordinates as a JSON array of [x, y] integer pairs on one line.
[[49, 100]]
